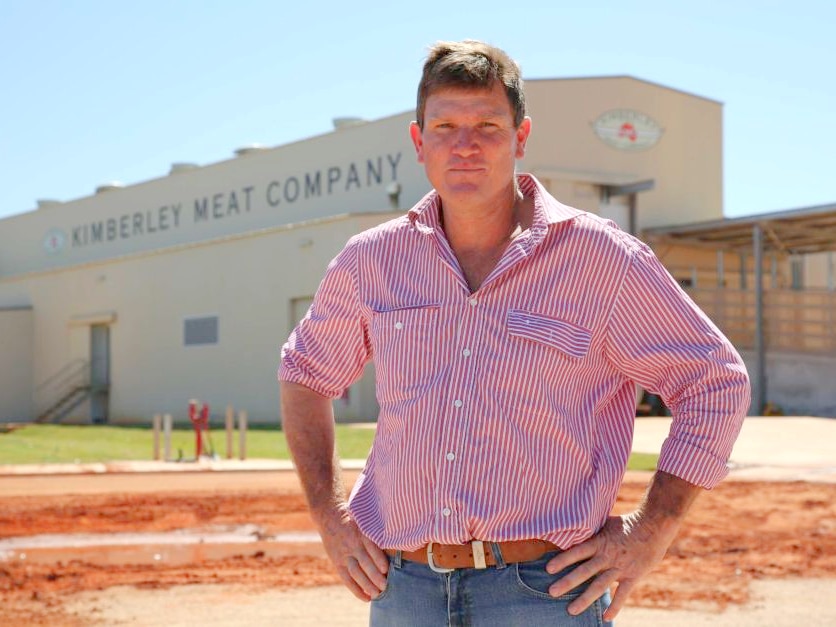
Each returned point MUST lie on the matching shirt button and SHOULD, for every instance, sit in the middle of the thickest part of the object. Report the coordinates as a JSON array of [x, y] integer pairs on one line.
[[457, 403], [450, 456], [446, 511], [473, 301], [399, 325], [466, 352]]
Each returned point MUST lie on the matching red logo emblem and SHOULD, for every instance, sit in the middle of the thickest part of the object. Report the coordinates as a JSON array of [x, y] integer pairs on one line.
[[629, 131]]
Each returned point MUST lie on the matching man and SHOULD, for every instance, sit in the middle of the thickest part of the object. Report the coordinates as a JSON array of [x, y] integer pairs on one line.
[[507, 331]]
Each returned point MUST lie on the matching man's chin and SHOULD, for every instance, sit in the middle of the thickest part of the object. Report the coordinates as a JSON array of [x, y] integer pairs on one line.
[[461, 188], [465, 181]]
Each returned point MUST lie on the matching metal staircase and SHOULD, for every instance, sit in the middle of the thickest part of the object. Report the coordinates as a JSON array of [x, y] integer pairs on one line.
[[64, 391], [64, 405]]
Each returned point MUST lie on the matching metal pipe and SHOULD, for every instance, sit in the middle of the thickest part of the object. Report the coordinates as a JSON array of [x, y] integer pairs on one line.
[[742, 272], [759, 395], [774, 271]]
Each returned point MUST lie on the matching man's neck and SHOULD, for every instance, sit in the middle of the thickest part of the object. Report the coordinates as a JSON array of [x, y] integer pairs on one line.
[[486, 226], [480, 234]]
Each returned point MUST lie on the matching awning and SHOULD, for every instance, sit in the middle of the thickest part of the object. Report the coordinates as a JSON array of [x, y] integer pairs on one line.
[[793, 232]]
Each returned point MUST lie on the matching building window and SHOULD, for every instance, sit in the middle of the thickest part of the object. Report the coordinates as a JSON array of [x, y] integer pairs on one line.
[[200, 331]]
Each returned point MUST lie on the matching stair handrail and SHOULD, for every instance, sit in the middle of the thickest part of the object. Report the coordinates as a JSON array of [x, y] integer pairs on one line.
[[75, 363], [74, 374]]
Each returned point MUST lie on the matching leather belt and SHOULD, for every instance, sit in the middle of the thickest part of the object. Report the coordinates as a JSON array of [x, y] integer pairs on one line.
[[476, 554]]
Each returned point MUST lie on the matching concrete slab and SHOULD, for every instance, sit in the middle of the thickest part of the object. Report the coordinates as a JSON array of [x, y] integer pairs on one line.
[[769, 447]]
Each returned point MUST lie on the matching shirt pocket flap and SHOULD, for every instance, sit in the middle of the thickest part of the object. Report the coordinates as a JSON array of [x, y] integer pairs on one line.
[[564, 336], [407, 319]]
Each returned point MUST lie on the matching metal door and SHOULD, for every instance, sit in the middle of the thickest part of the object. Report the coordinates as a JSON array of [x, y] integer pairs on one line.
[[99, 372]]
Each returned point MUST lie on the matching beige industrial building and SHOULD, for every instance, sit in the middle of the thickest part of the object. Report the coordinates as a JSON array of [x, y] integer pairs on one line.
[[131, 301]]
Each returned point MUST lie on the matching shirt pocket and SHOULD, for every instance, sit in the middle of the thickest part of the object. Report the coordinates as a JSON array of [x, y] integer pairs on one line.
[[566, 337], [403, 342]]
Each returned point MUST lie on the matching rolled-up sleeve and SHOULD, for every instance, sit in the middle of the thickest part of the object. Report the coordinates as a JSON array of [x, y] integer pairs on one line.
[[658, 337], [328, 349]]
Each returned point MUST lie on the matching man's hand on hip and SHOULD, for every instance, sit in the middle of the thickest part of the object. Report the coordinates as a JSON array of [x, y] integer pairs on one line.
[[623, 551], [626, 548], [361, 564]]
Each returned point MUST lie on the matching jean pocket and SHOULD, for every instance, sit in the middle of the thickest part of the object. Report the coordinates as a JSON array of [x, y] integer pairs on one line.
[[533, 580], [388, 587]]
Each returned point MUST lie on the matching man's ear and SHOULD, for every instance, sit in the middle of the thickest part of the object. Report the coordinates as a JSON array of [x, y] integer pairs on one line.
[[523, 131], [417, 140]]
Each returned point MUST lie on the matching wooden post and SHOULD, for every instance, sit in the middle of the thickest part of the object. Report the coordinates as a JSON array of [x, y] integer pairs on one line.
[[230, 427], [167, 426], [157, 425], [242, 435]]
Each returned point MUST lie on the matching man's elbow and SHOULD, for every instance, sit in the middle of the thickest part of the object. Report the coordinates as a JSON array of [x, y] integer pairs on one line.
[[741, 391], [294, 390]]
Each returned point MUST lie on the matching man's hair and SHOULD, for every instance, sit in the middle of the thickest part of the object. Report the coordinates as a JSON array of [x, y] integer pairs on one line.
[[470, 64]]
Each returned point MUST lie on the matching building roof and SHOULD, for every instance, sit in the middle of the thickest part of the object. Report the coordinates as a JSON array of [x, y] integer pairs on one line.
[[793, 232], [621, 77]]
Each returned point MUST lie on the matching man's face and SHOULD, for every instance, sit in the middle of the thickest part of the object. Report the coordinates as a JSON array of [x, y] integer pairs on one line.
[[469, 143]]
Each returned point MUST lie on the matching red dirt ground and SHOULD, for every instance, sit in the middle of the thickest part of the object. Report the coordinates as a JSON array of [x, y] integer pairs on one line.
[[738, 532]]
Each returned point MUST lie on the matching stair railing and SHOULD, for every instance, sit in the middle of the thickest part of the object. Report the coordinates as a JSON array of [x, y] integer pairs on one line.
[[72, 376]]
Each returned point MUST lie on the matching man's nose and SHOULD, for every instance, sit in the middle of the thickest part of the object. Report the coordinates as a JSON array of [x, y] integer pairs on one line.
[[466, 142]]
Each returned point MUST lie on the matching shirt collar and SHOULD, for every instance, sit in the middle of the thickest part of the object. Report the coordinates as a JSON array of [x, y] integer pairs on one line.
[[425, 216]]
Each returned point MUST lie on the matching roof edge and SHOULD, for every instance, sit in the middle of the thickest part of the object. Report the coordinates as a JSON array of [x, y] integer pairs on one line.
[[627, 76], [752, 219]]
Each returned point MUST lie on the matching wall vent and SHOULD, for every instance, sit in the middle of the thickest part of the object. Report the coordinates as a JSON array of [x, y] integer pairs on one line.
[[47, 203], [249, 150], [200, 331], [177, 168], [109, 187], [348, 122]]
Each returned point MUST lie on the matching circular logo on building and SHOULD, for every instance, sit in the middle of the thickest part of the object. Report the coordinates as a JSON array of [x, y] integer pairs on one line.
[[54, 241], [626, 129]]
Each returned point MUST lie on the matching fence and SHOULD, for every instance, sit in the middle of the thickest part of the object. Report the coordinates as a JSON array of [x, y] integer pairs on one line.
[[794, 320]]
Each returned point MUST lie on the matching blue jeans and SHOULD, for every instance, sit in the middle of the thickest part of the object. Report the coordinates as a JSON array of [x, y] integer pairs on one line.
[[500, 596]]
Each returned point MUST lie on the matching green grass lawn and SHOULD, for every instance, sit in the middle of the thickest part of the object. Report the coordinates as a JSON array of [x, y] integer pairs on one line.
[[49, 444], [44, 444]]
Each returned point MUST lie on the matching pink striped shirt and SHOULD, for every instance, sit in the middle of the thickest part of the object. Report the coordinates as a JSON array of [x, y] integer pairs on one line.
[[508, 413]]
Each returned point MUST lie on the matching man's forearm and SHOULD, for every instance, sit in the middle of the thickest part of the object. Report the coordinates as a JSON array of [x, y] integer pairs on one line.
[[666, 503], [309, 427], [308, 423]]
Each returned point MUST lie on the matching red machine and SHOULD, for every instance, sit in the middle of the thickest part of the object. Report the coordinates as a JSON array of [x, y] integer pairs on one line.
[[199, 416]]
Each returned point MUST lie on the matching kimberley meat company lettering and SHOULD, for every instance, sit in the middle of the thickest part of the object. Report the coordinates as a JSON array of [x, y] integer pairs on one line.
[[276, 193]]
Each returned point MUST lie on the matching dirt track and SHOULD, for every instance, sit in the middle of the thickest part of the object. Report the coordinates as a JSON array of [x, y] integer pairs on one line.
[[742, 531]]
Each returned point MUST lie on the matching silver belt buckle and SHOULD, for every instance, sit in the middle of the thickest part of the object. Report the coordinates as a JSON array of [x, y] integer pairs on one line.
[[432, 565], [478, 548]]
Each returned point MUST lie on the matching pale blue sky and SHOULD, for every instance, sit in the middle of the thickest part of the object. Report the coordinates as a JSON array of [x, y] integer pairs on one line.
[[96, 91]]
